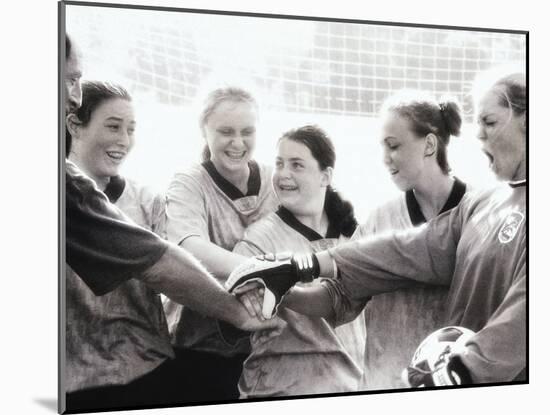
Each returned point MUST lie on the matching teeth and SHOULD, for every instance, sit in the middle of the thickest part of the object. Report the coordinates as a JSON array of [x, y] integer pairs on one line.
[[288, 187], [233, 154], [116, 155]]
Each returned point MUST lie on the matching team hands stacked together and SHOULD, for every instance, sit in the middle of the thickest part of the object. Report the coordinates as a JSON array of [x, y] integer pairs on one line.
[[261, 283]]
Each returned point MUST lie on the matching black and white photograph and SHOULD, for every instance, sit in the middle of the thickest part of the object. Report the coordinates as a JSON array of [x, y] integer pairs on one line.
[[301, 207], [280, 209]]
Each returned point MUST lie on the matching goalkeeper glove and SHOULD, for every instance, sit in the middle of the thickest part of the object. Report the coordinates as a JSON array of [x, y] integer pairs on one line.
[[276, 274], [448, 371]]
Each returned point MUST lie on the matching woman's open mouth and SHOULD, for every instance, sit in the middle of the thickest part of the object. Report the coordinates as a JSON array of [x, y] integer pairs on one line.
[[489, 156], [288, 187], [235, 155], [116, 156]]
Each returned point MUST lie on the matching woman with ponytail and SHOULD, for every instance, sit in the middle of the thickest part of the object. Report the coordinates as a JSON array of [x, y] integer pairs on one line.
[[477, 249], [416, 131], [311, 355]]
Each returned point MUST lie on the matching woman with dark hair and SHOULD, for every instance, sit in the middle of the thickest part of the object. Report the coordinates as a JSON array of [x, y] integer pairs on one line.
[[117, 351], [208, 207], [117, 344], [478, 249], [416, 130], [310, 356]]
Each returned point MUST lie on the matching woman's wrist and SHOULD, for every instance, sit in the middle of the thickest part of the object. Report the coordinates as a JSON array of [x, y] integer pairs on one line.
[[327, 265]]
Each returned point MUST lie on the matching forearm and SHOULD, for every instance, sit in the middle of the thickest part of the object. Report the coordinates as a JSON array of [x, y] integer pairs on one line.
[[217, 260], [182, 278], [312, 300], [327, 266], [397, 260]]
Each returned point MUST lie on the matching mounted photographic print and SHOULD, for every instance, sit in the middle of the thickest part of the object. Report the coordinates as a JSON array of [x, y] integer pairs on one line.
[[265, 206]]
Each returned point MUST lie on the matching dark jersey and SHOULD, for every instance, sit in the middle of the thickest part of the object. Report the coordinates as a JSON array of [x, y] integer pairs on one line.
[[478, 249], [103, 246]]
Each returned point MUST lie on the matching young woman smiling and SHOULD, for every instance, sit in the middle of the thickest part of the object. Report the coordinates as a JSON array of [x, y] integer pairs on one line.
[[208, 207], [117, 344], [477, 249], [311, 355], [416, 130]]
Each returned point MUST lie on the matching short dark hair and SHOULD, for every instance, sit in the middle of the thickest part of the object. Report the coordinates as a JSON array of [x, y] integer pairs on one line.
[[339, 211], [317, 141], [95, 93]]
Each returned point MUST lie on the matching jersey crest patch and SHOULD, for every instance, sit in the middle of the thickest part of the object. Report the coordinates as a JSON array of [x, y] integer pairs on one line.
[[510, 227]]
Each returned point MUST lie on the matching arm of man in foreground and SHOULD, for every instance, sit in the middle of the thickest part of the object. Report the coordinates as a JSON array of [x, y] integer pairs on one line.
[[106, 248]]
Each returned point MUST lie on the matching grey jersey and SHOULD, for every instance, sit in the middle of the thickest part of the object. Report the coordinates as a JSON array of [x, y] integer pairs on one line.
[[310, 356], [398, 321], [201, 203]]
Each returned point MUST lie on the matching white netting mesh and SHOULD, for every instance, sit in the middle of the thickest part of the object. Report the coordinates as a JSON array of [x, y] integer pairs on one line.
[[303, 66]]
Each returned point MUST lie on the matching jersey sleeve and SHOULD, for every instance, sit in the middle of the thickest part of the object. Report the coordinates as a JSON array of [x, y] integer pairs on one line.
[[394, 260], [103, 246], [365, 229], [248, 248], [186, 213], [258, 239], [498, 351], [346, 309]]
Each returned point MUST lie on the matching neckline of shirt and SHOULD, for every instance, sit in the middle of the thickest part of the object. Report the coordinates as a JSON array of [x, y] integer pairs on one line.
[[518, 183], [415, 213], [114, 188], [228, 188], [311, 235]]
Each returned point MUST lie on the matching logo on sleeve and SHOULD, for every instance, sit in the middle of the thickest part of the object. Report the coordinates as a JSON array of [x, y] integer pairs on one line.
[[510, 227]]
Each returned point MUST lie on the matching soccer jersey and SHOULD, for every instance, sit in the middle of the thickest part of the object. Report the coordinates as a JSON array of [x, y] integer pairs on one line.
[[478, 249], [310, 356], [200, 202], [117, 337], [398, 321], [103, 245]]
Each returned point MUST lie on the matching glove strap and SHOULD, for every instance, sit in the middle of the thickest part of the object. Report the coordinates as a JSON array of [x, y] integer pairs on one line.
[[306, 267]]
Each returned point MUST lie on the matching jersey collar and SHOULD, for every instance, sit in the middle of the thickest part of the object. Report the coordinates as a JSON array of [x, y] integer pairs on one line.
[[415, 213], [114, 188], [308, 233], [230, 190], [518, 183]]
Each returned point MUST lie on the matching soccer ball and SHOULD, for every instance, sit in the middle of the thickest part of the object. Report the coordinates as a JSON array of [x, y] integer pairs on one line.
[[439, 345]]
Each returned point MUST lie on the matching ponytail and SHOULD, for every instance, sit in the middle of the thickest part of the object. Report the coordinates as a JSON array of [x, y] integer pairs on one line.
[[340, 212]]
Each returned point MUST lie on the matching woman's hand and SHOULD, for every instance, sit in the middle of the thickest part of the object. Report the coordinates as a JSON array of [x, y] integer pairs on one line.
[[264, 330], [252, 300]]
